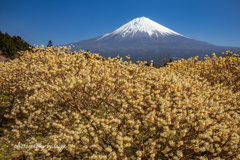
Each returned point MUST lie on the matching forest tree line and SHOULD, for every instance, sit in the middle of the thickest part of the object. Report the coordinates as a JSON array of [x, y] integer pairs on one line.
[[9, 46]]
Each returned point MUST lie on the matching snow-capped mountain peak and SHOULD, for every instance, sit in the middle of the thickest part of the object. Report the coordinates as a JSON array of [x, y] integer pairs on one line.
[[141, 25], [145, 40]]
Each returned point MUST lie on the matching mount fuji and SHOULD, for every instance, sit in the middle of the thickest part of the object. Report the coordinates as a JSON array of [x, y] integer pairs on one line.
[[145, 40]]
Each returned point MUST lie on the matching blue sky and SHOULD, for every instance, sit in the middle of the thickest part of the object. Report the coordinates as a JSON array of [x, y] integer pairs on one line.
[[66, 21]]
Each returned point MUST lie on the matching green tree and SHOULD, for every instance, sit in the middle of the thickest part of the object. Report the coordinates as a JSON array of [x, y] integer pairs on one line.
[[49, 43], [11, 45]]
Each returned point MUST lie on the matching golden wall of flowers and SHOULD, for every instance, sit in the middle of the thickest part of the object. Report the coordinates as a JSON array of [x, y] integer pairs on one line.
[[115, 109]]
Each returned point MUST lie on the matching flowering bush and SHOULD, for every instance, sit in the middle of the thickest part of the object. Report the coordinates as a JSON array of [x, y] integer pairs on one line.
[[119, 110]]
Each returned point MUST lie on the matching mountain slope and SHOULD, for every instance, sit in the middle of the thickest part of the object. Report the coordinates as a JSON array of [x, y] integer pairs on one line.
[[145, 40]]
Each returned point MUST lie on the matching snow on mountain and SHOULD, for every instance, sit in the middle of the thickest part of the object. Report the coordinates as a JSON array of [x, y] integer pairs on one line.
[[142, 25], [145, 40]]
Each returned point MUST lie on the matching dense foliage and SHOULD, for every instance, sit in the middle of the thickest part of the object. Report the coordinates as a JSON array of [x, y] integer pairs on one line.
[[11, 45], [118, 110]]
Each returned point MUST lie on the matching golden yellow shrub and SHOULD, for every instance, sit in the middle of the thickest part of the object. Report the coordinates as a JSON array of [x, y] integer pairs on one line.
[[116, 110]]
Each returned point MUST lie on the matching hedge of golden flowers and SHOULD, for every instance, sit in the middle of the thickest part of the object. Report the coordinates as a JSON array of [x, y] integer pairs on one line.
[[217, 70], [115, 109]]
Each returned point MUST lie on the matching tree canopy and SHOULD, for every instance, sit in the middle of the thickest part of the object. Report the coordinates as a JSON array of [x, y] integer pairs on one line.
[[11, 45], [49, 43]]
